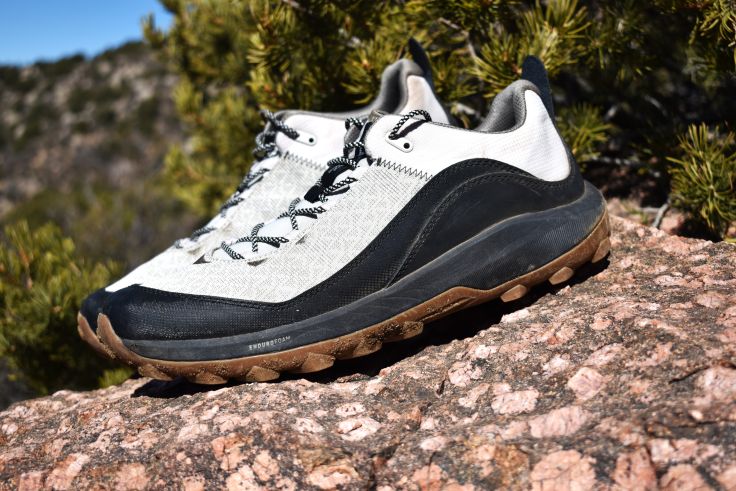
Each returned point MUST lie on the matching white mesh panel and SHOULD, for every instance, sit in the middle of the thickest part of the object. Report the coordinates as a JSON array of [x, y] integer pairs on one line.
[[335, 239], [290, 177], [534, 147]]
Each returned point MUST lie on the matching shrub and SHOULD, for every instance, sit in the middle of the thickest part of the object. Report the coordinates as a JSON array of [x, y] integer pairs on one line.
[[704, 176], [43, 281], [628, 76]]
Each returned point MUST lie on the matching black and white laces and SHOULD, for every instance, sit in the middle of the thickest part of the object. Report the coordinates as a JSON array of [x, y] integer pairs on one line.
[[394, 133], [265, 148], [331, 183], [266, 139], [353, 152]]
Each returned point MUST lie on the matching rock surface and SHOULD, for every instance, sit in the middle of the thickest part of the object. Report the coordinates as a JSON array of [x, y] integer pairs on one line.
[[624, 380]]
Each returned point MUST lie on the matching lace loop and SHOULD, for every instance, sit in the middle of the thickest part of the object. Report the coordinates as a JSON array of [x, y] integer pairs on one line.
[[394, 134], [266, 139]]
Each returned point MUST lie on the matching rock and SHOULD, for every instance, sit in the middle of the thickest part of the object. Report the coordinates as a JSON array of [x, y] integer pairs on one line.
[[566, 469], [625, 379]]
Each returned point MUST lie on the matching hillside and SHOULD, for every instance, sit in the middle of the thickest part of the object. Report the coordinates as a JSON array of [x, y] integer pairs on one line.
[[82, 142], [82, 145], [83, 121]]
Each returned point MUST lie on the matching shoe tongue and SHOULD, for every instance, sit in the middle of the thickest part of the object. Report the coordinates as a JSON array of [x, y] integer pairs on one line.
[[375, 115], [355, 132]]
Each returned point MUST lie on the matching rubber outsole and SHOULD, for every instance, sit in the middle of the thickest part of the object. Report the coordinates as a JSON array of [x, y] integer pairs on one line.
[[322, 355], [89, 337]]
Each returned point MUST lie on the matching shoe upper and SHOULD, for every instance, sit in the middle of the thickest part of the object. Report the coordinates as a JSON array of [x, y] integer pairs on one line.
[[300, 144], [296, 164], [415, 190]]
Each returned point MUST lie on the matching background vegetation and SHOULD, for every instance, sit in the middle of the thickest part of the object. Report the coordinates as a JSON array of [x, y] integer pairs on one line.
[[630, 79], [644, 91]]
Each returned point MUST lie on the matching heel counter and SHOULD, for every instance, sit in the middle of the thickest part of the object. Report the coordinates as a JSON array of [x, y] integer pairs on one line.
[[552, 158]]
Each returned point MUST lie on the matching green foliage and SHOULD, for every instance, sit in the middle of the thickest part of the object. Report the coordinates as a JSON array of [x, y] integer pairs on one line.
[[704, 176], [713, 39], [584, 130], [130, 225], [555, 33], [652, 68], [43, 281], [59, 68], [146, 115]]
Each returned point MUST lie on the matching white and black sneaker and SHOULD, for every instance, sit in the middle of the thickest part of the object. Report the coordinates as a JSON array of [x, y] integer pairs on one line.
[[416, 220], [291, 153]]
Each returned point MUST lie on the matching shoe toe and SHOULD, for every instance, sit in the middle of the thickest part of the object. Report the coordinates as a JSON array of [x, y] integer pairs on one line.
[[140, 313], [92, 306]]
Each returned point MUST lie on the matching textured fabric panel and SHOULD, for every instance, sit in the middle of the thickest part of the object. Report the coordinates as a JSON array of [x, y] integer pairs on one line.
[[534, 147], [299, 265], [290, 177], [328, 132], [283, 227]]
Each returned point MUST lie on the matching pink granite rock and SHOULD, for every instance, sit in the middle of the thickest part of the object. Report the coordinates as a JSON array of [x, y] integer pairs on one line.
[[625, 379]]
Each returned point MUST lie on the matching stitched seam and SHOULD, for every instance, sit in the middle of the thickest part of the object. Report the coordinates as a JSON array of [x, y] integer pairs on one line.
[[410, 171], [298, 159]]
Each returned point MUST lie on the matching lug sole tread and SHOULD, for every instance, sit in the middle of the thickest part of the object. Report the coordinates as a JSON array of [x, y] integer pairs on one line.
[[89, 337]]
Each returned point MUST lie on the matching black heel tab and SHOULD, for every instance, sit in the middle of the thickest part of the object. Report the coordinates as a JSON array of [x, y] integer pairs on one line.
[[420, 58], [533, 70]]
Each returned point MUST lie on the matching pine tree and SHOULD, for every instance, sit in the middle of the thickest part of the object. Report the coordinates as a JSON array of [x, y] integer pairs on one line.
[[704, 178], [630, 76]]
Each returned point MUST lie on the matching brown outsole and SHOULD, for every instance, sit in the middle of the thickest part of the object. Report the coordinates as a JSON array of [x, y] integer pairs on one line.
[[89, 337], [322, 355]]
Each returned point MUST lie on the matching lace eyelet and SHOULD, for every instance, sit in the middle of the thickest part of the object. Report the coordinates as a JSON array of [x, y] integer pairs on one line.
[[403, 144], [306, 138]]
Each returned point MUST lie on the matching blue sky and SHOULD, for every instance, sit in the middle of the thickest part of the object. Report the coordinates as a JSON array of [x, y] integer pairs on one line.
[[32, 30]]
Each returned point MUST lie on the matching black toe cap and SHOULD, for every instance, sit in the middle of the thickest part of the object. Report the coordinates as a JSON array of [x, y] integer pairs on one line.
[[92, 306], [141, 313]]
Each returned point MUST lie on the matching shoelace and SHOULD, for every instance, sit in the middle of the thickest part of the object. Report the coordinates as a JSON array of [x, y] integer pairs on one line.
[[353, 153], [266, 139], [394, 134], [265, 147]]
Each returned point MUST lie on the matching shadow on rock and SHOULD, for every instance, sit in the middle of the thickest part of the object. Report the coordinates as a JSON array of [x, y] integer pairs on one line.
[[172, 389], [460, 325]]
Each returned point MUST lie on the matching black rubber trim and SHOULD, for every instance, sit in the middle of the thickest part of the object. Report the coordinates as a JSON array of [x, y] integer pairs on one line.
[[419, 55], [427, 226], [92, 306]]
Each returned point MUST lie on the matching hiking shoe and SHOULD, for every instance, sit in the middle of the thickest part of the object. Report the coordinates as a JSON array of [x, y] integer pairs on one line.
[[290, 154], [414, 221]]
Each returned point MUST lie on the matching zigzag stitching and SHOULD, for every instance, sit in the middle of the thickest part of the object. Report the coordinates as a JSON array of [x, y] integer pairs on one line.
[[404, 169], [303, 161]]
